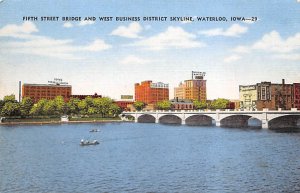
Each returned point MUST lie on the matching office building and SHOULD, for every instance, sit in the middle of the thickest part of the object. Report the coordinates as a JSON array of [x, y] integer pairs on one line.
[[151, 93]]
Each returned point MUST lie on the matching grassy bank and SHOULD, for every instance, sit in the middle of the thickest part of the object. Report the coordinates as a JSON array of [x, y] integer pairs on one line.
[[55, 120]]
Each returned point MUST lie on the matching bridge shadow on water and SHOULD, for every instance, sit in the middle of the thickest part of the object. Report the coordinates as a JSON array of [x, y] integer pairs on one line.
[[286, 130]]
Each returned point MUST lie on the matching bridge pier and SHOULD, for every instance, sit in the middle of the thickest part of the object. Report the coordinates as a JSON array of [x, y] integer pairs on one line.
[[264, 124], [183, 122], [218, 123], [156, 120]]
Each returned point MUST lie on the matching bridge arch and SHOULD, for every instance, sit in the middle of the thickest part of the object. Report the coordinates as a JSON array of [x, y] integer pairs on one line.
[[146, 118], [235, 121], [199, 120], [170, 119], [126, 117], [254, 122], [285, 121]]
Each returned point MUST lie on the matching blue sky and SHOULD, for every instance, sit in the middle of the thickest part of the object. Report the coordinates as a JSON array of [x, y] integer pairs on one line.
[[109, 57]]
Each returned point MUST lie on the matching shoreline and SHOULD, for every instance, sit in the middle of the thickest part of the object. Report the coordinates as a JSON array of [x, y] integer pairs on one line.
[[60, 122]]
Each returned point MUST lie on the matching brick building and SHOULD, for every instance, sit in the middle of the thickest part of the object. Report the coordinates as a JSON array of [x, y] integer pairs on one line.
[[125, 105], [182, 104], [151, 93], [46, 91], [274, 96], [296, 96]]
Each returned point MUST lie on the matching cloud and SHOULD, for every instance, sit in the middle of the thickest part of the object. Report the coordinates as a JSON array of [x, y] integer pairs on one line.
[[86, 22], [173, 37], [131, 59], [80, 24], [273, 42], [241, 49], [131, 31], [67, 25], [232, 58], [42, 45], [233, 31], [293, 57], [18, 31], [97, 45]]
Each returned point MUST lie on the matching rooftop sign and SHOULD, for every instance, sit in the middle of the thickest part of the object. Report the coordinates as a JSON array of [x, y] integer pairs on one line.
[[57, 81]]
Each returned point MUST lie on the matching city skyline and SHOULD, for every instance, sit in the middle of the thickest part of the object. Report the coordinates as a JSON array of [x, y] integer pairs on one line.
[[109, 57]]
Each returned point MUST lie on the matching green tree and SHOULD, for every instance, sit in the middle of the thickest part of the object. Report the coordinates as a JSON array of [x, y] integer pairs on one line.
[[73, 105], [59, 104], [49, 108], [25, 106], [38, 108], [105, 106], [114, 110], [138, 105], [219, 103], [163, 105], [199, 104], [83, 107], [11, 109], [91, 111], [89, 101], [2, 103], [9, 98], [98, 104]]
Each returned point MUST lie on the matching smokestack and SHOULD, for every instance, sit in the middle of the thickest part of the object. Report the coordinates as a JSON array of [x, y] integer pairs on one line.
[[19, 91], [283, 81]]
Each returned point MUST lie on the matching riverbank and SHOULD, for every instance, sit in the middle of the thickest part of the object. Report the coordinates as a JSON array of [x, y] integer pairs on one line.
[[57, 121]]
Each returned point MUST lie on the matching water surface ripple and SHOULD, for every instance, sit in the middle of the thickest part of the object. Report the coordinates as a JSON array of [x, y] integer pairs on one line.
[[133, 157]]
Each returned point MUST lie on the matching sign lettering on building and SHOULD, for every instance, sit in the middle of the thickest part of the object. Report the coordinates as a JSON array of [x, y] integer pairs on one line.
[[159, 85], [198, 75], [245, 88], [126, 96]]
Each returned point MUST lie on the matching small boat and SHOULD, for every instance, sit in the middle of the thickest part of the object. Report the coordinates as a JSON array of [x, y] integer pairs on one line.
[[87, 142], [94, 130]]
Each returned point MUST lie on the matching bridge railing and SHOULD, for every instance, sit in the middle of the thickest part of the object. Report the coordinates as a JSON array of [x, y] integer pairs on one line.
[[217, 110]]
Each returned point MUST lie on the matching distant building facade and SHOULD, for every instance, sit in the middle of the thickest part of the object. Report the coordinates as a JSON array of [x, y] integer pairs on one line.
[[272, 96], [47, 91], [181, 104], [194, 89], [151, 93], [248, 97], [233, 104], [81, 97], [124, 105], [296, 96]]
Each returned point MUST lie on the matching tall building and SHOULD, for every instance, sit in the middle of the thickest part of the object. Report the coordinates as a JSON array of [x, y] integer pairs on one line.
[[193, 89], [151, 93], [296, 96], [47, 91]]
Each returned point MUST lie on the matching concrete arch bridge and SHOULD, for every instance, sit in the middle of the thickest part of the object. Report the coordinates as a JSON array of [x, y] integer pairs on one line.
[[266, 119]]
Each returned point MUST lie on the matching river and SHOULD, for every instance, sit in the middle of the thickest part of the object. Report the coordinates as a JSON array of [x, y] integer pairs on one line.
[[136, 157]]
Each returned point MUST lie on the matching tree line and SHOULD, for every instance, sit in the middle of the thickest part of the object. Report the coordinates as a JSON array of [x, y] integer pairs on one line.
[[219, 103], [104, 107]]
